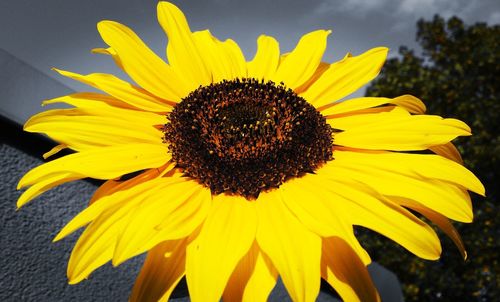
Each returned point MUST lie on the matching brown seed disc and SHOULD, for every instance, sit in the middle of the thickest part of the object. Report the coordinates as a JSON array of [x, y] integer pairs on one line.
[[245, 136]]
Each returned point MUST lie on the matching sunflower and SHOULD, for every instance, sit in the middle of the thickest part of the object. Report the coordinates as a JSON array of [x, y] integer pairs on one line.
[[232, 173]]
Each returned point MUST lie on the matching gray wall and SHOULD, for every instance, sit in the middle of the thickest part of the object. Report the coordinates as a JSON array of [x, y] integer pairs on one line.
[[22, 88]]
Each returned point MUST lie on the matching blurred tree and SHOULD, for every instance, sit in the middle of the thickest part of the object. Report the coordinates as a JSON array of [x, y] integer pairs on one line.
[[457, 75]]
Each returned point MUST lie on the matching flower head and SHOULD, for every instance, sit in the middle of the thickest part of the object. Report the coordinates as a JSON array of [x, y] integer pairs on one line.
[[232, 173]]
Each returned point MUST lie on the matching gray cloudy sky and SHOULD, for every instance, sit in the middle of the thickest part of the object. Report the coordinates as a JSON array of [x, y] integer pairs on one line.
[[60, 33]]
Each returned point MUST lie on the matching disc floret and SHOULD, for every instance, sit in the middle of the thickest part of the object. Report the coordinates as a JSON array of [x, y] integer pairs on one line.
[[246, 136]]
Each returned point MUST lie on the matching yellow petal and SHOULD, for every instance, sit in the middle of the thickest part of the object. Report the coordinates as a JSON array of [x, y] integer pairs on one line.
[[109, 187], [442, 222], [89, 100], [59, 178], [54, 150], [112, 186], [142, 64], [348, 121], [396, 131], [345, 77], [110, 52], [167, 213], [210, 50], [364, 111], [302, 62], [322, 67], [101, 163], [414, 165], [122, 90], [253, 278], [160, 273], [78, 130], [100, 105], [345, 272], [408, 102], [44, 185], [182, 53], [365, 209], [448, 151], [96, 244], [264, 64], [310, 204], [316, 214], [128, 192], [235, 58], [439, 196], [224, 60], [226, 236], [135, 118], [293, 250]]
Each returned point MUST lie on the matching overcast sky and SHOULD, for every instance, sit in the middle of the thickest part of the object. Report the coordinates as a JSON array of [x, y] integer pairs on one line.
[[60, 33]]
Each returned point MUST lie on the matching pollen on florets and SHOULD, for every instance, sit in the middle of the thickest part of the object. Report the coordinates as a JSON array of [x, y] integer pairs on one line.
[[245, 136]]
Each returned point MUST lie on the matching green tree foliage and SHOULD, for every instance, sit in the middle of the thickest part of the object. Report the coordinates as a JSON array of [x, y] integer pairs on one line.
[[456, 75]]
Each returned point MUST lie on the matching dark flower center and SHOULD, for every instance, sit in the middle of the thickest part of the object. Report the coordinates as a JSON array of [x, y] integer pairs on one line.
[[245, 136]]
